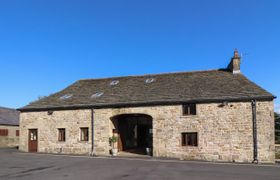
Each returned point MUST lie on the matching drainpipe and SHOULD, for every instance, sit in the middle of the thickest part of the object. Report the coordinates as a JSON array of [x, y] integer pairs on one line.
[[92, 153], [255, 140]]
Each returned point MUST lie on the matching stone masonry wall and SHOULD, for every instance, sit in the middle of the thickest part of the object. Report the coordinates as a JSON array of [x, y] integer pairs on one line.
[[224, 133], [48, 125], [266, 131], [11, 140]]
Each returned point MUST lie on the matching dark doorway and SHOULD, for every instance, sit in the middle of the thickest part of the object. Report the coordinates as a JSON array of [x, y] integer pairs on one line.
[[143, 135], [33, 140], [134, 132]]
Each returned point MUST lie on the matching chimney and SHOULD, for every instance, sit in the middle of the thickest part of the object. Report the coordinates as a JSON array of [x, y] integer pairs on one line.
[[234, 65]]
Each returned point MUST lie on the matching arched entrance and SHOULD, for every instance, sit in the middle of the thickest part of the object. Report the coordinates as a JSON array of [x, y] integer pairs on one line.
[[134, 132]]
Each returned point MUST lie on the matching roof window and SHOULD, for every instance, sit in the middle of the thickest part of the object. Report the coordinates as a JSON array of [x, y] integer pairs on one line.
[[98, 94], [66, 96], [114, 82], [150, 80]]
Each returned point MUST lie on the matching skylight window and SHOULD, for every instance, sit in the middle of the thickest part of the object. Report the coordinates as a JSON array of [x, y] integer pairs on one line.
[[66, 96], [150, 80], [114, 82], [96, 95]]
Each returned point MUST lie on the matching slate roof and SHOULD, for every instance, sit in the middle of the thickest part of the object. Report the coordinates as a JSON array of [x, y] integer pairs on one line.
[[170, 88], [9, 116]]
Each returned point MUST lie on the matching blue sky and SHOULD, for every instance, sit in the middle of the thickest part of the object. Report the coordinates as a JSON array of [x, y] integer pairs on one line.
[[47, 45]]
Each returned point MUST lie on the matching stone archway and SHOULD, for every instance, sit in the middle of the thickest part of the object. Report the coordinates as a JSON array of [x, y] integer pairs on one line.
[[134, 132]]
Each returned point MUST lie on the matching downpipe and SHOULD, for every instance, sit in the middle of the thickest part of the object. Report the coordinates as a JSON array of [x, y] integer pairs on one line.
[[92, 153], [255, 137]]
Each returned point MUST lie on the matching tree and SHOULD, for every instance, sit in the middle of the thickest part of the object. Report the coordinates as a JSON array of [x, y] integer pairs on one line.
[[277, 128]]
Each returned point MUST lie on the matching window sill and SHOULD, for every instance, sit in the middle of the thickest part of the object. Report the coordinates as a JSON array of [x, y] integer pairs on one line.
[[188, 116], [191, 147], [83, 141]]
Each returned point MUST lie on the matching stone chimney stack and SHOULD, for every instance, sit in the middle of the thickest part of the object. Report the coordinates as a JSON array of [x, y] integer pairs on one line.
[[234, 65]]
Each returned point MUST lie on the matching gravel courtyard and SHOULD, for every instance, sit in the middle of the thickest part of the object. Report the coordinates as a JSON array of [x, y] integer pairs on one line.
[[24, 166]]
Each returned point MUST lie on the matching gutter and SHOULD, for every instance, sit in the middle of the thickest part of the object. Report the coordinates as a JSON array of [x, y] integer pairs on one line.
[[140, 104], [255, 137], [92, 153], [14, 125]]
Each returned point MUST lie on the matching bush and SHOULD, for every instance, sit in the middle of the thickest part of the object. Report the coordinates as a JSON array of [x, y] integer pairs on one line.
[[277, 128], [113, 140], [277, 155]]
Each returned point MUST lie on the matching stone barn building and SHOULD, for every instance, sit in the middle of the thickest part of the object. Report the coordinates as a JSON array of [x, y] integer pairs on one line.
[[214, 115], [9, 128]]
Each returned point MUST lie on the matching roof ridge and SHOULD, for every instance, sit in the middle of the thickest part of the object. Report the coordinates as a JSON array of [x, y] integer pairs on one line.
[[1, 107], [147, 75]]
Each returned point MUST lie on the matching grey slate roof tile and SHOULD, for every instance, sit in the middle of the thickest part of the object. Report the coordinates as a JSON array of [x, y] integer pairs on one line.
[[167, 88], [9, 116]]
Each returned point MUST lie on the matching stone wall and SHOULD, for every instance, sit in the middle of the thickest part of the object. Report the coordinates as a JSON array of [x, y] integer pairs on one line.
[[266, 131], [11, 140], [224, 133], [48, 125]]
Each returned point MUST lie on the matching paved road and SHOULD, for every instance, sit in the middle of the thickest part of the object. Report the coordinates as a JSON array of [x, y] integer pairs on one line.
[[22, 166]]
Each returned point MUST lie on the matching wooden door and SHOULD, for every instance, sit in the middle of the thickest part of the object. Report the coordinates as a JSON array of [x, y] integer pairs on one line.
[[119, 143], [33, 140]]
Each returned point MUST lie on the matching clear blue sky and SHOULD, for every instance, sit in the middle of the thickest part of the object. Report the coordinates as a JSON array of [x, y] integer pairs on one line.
[[47, 45]]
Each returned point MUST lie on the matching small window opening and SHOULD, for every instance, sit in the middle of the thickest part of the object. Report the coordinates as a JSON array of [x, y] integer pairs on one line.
[[150, 80], [114, 82], [97, 95], [61, 134], [66, 96], [189, 139], [189, 109], [84, 134], [4, 132]]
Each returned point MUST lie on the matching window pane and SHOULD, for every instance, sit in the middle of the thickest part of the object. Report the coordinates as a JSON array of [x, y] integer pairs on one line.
[[193, 139], [61, 134], [33, 135], [4, 132], [84, 134], [189, 139], [189, 109], [184, 139], [193, 109]]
